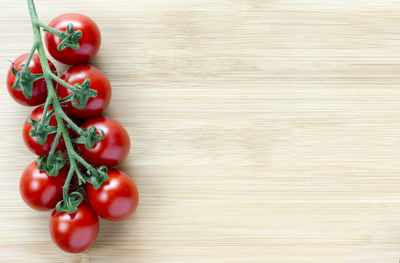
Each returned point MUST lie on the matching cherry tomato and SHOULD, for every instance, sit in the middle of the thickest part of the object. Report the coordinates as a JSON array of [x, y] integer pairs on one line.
[[98, 81], [74, 233], [39, 91], [110, 151], [116, 199], [89, 42], [31, 142], [39, 190]]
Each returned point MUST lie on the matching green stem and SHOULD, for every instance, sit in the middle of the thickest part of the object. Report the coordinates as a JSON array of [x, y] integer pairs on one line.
[[52, 96], [46, 107], [28, 60], [61, 81], [55, 142], [80, 176], [68, 180], [83, 161], [66, 99], [51, 30], [73, 125]]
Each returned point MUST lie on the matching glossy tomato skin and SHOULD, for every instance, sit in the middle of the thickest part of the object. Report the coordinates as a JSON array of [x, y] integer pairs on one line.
[[39, 190], [116, 199], [89, 42], [31, 142], [39, 91], [98, 81], [74, 233], [110, 151]]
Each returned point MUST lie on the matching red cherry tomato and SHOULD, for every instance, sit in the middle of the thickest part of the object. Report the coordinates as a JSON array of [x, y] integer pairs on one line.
[[31, 142], [74, 233], [39, 190], [116, 199], [89, 42], [39, 91], [110, 151], [98, 81]]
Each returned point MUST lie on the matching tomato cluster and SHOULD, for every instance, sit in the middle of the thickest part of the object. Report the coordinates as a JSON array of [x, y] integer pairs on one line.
[[117, 198]]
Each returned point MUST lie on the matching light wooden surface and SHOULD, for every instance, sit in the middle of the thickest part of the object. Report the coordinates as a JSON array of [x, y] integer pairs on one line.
[[263, 131]]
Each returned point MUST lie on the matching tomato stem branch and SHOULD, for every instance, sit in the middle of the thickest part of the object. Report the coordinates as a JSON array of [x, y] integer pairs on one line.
[[61, 81], [55, 142], [51, 30], [73, 125], [66, 99], [68, 180], [46, 107], [28, 60], [83, 161]]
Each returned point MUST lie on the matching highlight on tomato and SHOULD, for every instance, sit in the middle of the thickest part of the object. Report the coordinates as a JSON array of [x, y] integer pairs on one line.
[[116, 199]]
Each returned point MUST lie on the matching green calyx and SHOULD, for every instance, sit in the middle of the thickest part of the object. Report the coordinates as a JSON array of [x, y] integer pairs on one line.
[[70, 204], [24, 80], [52, 164], [42, 129], [69, 37], [90, 138], [97, 176], [82, 93]]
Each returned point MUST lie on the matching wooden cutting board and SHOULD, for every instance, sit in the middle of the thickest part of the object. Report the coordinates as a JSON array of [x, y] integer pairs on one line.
[[263, 131]]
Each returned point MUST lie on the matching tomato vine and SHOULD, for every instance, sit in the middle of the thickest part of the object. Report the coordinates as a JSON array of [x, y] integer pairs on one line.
[[41, 129], [74, 172]]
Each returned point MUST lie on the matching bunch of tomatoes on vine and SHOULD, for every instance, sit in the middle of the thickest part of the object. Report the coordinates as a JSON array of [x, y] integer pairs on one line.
[[76, 146]]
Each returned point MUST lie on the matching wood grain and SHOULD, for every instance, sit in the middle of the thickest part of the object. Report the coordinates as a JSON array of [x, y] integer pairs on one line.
[[263, 131]]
